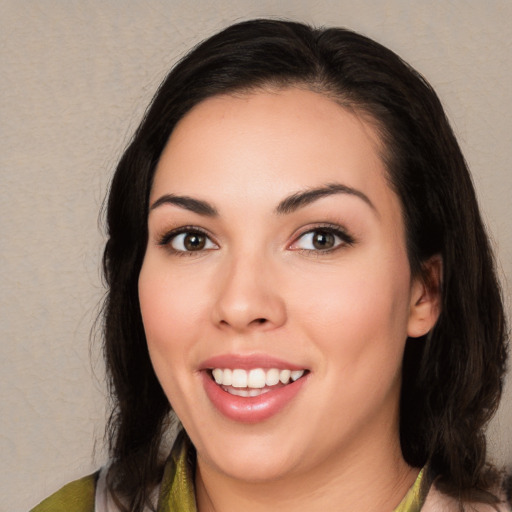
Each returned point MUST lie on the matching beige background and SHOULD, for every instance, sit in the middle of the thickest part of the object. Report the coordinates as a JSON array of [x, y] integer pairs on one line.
[[75, 77]]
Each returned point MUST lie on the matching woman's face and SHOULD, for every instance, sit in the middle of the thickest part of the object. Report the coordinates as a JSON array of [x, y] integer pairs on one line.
[[276, 245]]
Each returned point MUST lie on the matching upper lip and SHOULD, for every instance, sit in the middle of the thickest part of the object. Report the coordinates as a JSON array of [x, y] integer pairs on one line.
[[248, 362]]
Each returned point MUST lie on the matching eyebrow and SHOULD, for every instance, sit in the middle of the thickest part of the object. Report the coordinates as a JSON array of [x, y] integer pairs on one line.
[[286, 206], [187, 203], [301, 199]]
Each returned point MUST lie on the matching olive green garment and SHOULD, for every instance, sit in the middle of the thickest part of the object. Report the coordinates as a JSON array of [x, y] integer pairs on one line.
[[77, 496], [177, 489]]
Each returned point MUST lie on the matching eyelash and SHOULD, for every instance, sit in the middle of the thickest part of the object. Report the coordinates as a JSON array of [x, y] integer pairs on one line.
[[345, 239], [167, 238]]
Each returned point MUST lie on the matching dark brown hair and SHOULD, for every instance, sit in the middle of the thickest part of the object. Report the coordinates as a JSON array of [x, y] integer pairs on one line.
[[452, 378]]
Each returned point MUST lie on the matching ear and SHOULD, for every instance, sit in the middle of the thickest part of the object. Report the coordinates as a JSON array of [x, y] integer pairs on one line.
[[425, 305]]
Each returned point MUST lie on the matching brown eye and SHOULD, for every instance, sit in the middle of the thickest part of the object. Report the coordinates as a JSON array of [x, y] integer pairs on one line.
[[194, 242], [323, 240], [191, 241]]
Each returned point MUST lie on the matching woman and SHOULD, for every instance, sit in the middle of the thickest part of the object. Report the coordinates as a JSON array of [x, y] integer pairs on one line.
[[297, 268]]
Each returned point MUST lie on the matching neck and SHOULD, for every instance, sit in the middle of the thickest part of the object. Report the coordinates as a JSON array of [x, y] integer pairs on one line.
[[373, 479]]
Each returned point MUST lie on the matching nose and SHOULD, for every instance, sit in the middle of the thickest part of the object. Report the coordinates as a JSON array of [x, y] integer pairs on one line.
[[248, 297]]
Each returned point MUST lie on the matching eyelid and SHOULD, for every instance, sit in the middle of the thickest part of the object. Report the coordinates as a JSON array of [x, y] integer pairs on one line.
[[334, 229], [345, 239], [167, 237]]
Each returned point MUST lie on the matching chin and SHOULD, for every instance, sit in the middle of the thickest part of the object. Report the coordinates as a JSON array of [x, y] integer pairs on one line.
[[257, 471], [253, 460]]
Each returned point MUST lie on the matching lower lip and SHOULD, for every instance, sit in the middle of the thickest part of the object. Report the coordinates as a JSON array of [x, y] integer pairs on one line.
[[251, 409]]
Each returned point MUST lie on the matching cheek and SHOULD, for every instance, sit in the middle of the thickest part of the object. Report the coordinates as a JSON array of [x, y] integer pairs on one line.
[[170, 314], [170, 305], [358, 313], [171, 318], [359, 330]]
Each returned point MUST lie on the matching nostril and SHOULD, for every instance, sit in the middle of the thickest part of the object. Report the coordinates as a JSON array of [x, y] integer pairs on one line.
[[256, 321]]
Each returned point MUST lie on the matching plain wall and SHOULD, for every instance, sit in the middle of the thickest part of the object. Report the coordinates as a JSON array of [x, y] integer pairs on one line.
[[75, 77]]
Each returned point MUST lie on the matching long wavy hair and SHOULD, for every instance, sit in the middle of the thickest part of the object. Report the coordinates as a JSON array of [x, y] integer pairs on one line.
[[452, 378]]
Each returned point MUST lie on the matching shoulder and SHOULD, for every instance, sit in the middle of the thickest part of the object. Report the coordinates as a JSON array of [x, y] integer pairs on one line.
[[436, 501], [77, 496]]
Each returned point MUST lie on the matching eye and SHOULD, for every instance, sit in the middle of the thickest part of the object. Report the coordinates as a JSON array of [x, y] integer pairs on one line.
[[188, 241], [322, 239]]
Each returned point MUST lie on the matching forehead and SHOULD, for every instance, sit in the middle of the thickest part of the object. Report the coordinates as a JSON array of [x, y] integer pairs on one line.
[[268, 143]]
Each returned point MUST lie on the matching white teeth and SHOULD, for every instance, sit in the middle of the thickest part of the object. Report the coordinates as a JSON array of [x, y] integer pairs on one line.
[[246, 392], [255, 379], [239, 379], [227, 377], [296, 374], [272, 377], [284, 376], [218, 375]]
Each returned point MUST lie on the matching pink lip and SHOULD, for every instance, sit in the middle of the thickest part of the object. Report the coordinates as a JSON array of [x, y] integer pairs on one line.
[[251, 409], [247, 362]]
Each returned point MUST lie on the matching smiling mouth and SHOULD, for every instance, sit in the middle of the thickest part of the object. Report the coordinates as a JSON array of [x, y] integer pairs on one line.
[[254, 382]]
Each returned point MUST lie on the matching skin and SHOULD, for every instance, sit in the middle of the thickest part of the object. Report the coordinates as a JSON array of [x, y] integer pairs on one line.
[[260, 287]]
